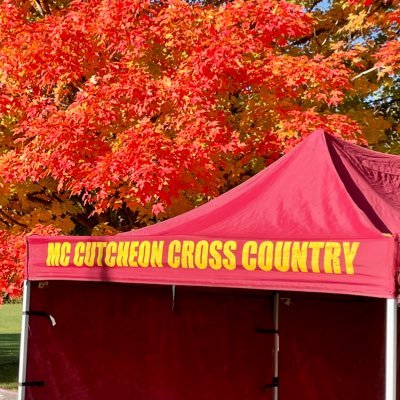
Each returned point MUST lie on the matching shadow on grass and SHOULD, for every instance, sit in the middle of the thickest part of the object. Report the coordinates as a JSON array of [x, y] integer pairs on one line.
[[9, 354]]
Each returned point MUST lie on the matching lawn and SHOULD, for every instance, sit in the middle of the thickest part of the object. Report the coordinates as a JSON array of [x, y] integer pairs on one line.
[[10, 328]]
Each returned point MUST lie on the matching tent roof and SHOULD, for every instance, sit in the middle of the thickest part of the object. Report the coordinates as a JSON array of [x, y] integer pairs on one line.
[[324, 188], [323, 218]]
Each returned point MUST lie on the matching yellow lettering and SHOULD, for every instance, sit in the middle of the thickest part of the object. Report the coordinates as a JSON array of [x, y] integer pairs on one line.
[[350, 251], [90, 254], [100, 252], [133, 253], [282, 256], [65, 252], [216, 259], [249, 249], [79, 254], [144, 254], [201, 255], [230, 262], [299, 256], [173, 248], [110, 257], [58, 254], [332, 258], [266, 256], [187, 254], [53, 254], [157, 249], [123, 254], [316, 249]]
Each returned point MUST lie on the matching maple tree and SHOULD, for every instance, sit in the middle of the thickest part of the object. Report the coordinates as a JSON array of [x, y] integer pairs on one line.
[[370, 27], [117, 113]]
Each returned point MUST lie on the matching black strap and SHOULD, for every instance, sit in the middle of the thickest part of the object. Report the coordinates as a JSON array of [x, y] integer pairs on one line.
[[32, 383], [40, 314], [275, 383], [36, 313], [262, 330]]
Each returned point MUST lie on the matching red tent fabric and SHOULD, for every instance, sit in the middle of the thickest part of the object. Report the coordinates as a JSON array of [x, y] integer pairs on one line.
[[323, 218]]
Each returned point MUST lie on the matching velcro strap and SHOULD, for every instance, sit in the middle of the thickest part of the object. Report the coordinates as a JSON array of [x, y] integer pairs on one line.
[[41, 314], [262, 330], [32, 383], [275, 383]]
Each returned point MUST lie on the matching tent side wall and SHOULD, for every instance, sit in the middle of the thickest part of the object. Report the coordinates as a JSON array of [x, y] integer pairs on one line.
[[207, 344], [128, 341], [332, 348]]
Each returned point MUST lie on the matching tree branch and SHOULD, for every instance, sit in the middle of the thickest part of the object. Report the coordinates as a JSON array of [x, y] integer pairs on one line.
[[315, 33], [41, 6], [382, 99], [364, 73], [83, 220], [313, 5], [32, 197], [7, 224], [11, 219], [36, 5]]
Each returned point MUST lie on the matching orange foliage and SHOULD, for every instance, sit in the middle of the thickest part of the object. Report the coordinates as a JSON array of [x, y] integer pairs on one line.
[[12, 255]]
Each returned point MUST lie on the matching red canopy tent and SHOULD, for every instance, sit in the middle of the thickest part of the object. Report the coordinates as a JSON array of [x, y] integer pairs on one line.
[[322, 219]]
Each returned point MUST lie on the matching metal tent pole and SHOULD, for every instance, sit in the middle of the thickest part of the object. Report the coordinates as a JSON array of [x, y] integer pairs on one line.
[[276, 347], [391, 350], [24, 340]]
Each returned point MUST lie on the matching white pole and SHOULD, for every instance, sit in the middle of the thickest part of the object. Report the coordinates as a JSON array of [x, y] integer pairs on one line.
[[391, 350], [276, 347], [23, 351]]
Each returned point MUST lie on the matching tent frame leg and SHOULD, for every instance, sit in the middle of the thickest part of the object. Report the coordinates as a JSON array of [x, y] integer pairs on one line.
[[391, 350], [24, 339], [276, 347]]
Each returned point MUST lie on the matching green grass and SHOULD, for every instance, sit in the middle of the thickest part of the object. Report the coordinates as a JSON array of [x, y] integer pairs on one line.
[[10, 328]]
